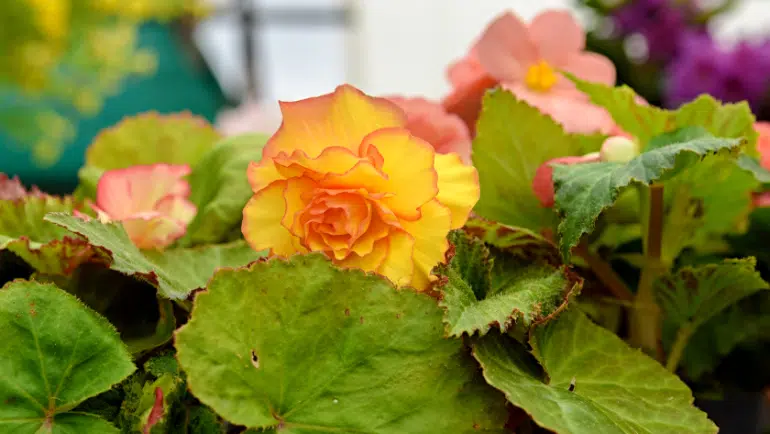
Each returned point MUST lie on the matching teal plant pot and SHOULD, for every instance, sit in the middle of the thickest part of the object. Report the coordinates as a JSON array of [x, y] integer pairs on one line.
[[179, 84]]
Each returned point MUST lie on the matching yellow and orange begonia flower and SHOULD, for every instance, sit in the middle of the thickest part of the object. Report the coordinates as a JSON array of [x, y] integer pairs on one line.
[[343, 176]]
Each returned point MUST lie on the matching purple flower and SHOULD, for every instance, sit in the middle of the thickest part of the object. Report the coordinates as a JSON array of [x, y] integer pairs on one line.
[[660, 22], [729, 75]]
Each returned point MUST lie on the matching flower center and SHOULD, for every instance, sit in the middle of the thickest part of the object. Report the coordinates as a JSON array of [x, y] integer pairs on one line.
[[541, 77]]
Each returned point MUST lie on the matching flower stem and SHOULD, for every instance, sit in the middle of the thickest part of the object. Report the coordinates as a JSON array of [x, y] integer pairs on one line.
[[675, 355], [645, 317], [605, 273]]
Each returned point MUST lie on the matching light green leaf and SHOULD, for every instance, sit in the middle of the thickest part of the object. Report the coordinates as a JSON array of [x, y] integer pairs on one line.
[[220, 189], [745, 322], [694, 296], [646, 122], [55, 354], [304, 347], [642, 121], [752, 165], [147, 138], [513, 139], [44, 246], [708, 201], [175, 272], [592, 382], [583, 191], [512, 285]]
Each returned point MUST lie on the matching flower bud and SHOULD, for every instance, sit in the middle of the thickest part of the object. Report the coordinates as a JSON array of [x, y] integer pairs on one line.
[[619, 149]]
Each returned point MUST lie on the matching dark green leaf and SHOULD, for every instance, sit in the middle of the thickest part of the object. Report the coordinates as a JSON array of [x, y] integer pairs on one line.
[[56, 353]]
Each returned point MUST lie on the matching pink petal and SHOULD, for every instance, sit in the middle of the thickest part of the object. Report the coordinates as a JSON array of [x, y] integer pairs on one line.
[[557, 35], [505, 49], [590, 67], [542, 184], [466, 70], [763, 142], [465, 101], [123, 192], [761, 200], [177, 207], [575, 115], [153, 230], [430, 122]]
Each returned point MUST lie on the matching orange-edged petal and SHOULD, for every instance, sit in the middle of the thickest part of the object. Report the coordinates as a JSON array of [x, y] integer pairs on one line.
[[262, 226], [177, 207], [458, 187], [399, 266], [334, 160], [297, 196], [408, 163], [430, 241], [368, 262], [124, 192], [763, 142], [342, 118], [153, 230], [557, 35]]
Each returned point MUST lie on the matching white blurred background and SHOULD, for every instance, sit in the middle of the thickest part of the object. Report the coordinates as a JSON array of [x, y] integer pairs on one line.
[[307, 47]]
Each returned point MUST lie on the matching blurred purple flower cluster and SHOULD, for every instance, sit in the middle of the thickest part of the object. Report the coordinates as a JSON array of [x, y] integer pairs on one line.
[[660, 22], [693, 62], [730, 75]]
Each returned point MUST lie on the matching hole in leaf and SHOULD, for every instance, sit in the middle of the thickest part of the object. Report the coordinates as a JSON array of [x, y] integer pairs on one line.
[[254, 359]]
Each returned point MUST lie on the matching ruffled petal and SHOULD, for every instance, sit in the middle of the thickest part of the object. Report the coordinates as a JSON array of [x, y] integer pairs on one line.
[[430, 241], [458, 187], [399, 265], [505, 49], [369, 262], [262, 226], [124, 192], [342, 118], [408, 162], [334, 160], [177, 207], [153, 230], [557, 35]]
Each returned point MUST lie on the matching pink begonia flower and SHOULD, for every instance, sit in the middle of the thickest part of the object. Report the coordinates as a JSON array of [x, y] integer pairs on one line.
[[542, 184], [762, 200], [150, 201], [527, 60], [466, 70], [249, 117], [430, 122]]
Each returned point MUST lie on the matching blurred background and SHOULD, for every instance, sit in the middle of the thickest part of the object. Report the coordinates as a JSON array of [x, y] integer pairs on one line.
[[78, 66]]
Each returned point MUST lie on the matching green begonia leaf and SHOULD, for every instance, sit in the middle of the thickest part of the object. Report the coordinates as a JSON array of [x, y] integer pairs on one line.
[[512, 280], [583, 191], [693, 296], [590, 382], [645, 121], [147, 138], [175, 272], [44, 246], [513, 139], [56, 353], [220, 189], [302, 347]]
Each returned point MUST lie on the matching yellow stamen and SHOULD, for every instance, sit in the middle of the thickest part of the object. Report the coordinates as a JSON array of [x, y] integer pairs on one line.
[[541, 77]]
